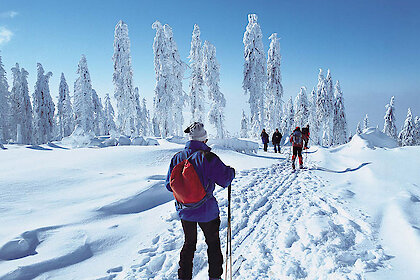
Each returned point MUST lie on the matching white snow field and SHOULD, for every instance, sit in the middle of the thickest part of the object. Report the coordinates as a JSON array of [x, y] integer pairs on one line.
[[104, 213]]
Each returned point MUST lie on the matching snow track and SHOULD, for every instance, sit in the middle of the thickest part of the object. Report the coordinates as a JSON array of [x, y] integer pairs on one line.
[[284, 226]]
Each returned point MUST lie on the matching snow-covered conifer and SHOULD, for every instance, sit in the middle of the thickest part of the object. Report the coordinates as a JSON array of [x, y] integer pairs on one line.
[[255, 77], [407, 134], [390, 128], [313, 119], [274, 86], [417, 129], [288, 121], [301, 108], [109, 125], [146, 115], [21, 108], [339, 117], [83, 105], [141, 115], [366, 122], [169, 69], [323, 109], [43, 108], [196, 97], [244, 125], [4, 105], [176, 77], [123, 81], [64, 109], [211, 77], [98, 114], [163, 100], [359, 129]]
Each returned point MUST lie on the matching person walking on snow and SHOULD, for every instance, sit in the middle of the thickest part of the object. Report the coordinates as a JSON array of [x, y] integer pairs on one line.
[[276, 139], [265, 139], [296, 138], [305, 132], [207, 171]]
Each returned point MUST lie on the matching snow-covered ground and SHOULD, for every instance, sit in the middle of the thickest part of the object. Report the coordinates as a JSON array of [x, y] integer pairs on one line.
[[103, 213]]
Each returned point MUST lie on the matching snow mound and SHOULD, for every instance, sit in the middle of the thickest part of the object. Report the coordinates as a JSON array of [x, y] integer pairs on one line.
[[177, 140], [78, 139], [124, 141], [373, 138], [19, 247], [138, 141], [235, 144]]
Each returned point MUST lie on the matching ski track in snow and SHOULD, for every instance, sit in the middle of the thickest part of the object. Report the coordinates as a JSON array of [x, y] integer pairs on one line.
[[284, 226]]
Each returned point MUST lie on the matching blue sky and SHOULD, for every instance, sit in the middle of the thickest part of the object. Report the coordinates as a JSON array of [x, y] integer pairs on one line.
[[372, 47]]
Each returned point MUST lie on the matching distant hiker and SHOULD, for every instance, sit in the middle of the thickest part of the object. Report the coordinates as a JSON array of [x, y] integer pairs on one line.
[[192, 175], [276, 139], [296, 138], [305, 132], [265, 139]]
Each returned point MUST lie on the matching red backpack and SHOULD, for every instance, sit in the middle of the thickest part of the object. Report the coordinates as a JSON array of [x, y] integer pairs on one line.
[[186, 185]]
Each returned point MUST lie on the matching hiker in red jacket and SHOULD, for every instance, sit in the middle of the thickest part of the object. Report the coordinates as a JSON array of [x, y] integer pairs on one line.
[[296, 138], [192, 176]]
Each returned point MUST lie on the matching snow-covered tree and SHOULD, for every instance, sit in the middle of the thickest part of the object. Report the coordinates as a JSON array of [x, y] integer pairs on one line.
[[417, 129], [143, 125], [83, 105], [98, 114], [313, 119], [211, 77], [274, 87], [64, 109], [146, 114], [163, 101], [366, 122], [288, 121], [169, 69], [196, 97], [255, 78], [301, 108], [109, 124], [323, 109], [359, 129], [123, 81], [21, 108], [339, 117], [177, 75], [244, 125], [330, 88], [390, 128], [43, 108], [4, 105], [407, 135]]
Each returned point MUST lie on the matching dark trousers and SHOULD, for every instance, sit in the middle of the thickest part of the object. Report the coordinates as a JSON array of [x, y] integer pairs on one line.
[[297, 151], [277, 146], [265, 147], [214, 252]]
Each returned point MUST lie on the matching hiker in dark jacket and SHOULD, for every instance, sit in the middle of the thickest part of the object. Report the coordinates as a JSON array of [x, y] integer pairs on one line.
[[265, 139], [305, 132], [210, 170], [276, 139], [296, 138]]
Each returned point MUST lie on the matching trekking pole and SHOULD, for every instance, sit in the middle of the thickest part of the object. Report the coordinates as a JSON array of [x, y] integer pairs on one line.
[[229, 238]]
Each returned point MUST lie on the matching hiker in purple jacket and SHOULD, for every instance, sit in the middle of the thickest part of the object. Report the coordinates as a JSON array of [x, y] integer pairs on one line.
[[210, 170]]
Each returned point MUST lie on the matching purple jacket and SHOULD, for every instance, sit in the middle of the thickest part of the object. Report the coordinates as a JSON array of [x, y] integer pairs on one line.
[[210, 169]]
